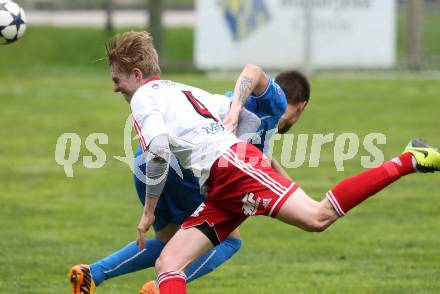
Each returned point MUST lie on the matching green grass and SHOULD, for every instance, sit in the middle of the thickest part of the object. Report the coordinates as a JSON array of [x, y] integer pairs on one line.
[[83, 48], [49, 222], [50, 83], [52, 48]]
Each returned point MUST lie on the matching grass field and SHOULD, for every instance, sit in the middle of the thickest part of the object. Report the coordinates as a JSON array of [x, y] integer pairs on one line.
[[49, 222]]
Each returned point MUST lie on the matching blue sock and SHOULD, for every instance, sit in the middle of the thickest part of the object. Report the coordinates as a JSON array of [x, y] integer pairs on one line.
[[127, 260], [212, 259]]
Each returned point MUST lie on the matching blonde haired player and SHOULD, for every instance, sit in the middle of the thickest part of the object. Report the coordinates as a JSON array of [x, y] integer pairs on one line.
[[275, 105], [172, 118]]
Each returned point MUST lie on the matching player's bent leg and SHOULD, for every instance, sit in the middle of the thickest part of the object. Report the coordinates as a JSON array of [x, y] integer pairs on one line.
[[164, 234], [352, 191], [302, 211], [205, 263], [214, 257], [127, 260], [175, 257]]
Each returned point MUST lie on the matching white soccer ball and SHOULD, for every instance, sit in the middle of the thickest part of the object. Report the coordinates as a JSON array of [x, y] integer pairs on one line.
[[12, 22]]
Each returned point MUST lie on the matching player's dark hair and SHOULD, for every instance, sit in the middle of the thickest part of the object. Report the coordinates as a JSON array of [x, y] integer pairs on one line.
[[295, 85]]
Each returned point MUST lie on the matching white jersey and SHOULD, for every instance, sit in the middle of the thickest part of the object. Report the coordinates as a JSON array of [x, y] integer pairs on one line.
[[191, 119]]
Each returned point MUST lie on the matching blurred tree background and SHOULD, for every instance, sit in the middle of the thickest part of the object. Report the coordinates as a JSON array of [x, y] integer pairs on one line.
[[418, 28], [98, 4]]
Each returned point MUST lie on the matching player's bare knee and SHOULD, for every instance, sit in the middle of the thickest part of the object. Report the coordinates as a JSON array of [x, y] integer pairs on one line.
[[164, 264], [316, 218], [323, 217], [316, 223], [158, 265], [319, 226]]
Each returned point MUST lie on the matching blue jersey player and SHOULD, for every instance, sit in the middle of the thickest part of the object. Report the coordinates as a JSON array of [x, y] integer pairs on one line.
[[278, 104]]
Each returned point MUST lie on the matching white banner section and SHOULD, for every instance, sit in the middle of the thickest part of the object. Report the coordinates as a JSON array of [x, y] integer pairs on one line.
[[282, 34]]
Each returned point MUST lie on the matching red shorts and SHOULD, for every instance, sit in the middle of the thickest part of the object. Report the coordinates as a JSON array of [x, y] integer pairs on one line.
[[241, 184]]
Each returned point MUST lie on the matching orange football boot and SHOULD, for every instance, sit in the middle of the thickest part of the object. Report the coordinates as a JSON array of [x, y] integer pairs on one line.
[[81, 279], [149, 288]]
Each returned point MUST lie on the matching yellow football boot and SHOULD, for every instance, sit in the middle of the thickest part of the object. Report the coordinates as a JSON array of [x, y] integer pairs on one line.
[[427, 157]]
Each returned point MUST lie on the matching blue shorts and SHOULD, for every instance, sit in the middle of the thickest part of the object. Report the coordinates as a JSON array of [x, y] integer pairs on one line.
[[179, 199]]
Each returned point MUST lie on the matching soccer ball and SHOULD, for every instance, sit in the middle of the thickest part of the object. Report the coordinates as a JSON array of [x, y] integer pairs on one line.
[[12, 22]]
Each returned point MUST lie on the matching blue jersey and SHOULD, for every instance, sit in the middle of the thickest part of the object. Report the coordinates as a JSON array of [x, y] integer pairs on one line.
[[269, 107], [181, 195]]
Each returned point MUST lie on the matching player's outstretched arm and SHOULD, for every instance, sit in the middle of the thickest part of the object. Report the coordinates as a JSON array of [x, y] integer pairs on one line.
[[252, 80]]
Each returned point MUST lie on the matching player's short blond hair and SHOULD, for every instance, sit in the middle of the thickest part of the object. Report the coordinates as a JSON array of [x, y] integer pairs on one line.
[[133, 50]]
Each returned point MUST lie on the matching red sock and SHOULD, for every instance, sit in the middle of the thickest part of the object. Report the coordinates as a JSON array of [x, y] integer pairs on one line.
[[352, 191], [172, 283]]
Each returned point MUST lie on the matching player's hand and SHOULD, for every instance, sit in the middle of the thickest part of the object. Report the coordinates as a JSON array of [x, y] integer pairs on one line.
[[147, 220], [231, 121]]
